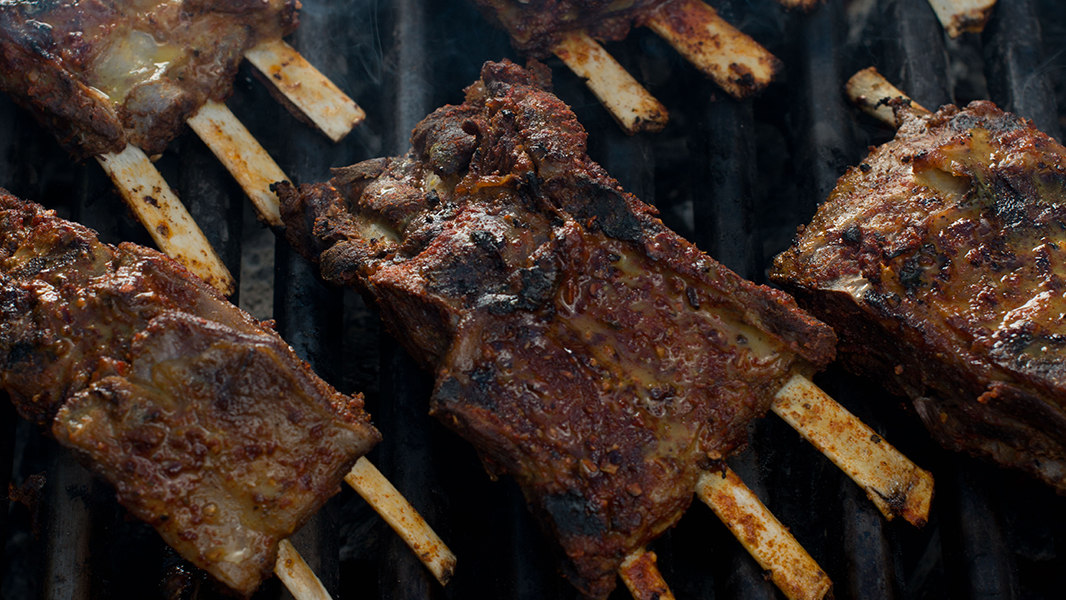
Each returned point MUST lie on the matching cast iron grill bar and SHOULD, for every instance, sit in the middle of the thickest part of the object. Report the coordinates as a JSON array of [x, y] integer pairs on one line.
[[977, 558], [68, 521], [823, 139], [913, 58], [863, 566], [70, 508], [406, 452], [308, 312], [214, 200], [1015, 66], [914, 54], [980, 548], [723, 155]]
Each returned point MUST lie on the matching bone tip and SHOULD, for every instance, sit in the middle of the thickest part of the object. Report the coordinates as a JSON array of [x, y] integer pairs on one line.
[[446, 570], [920, 499]]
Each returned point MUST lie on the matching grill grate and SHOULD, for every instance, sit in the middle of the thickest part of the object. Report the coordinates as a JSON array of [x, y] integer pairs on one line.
[[736, 177]]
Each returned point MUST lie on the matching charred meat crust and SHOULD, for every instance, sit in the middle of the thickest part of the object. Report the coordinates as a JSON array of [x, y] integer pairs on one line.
[[100, 75], [939, 261], [209, 426], [579, 344]]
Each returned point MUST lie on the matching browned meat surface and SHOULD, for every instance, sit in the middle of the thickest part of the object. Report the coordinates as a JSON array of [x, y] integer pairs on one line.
[[940, 261], [579, 344], [207, 423], [103, 73], [535, 25]]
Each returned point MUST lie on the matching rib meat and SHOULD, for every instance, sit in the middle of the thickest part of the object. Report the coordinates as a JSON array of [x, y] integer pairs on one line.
[[209, 426], [103, 73], [535, 26], [940, 262], [580, 345]]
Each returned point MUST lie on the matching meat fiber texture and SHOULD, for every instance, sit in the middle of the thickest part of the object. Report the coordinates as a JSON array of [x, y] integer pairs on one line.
[[535, 26], [209, 426], [102, 74], [582, 346], [940, 262]]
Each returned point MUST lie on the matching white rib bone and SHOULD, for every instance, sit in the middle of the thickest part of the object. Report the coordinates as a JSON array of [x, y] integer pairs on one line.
[[403, 518], [788, 565], [632, 106], [242, 156], [164, 216], [311, 92]]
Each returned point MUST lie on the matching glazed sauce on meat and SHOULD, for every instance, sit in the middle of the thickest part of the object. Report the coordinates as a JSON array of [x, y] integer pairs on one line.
[[950, 245]]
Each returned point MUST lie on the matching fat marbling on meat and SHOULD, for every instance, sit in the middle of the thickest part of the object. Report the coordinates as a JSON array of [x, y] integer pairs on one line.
[[209, 426], [582, 346], [940, 261]]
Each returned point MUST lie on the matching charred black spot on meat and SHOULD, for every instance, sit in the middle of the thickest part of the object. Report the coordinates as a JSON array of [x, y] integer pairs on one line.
[[571, 513], [432, 200], [485, 241], [450, 392], [471, 276], [604, 209], [693, 297], [883, 303], [911, 274], [19, 352], [483, 376], [538, 288], [852, 235]]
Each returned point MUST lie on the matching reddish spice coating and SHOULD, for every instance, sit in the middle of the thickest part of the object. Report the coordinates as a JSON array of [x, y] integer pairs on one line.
[[209, 426], [941, 262], [582, 346], [100, 74]]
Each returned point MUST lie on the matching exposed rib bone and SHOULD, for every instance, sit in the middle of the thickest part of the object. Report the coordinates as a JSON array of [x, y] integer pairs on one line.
[[733, 60], [895, 484], [256, 171], [764, 537], [403, 518], [297, 576], [164, 216], [959, 16], [642, 577], [628, 102], [871, 92], [309, 91], [160, 210], [242, 156]]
